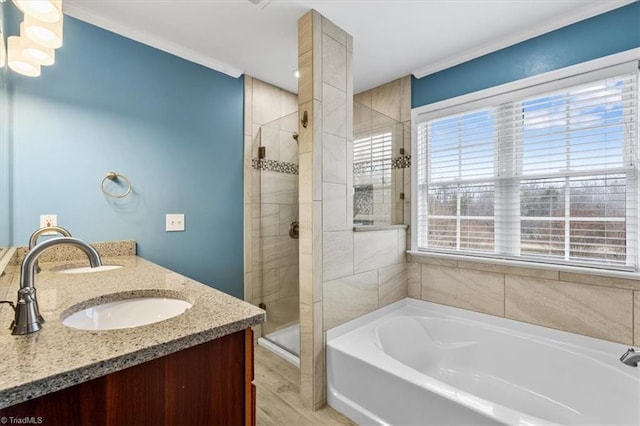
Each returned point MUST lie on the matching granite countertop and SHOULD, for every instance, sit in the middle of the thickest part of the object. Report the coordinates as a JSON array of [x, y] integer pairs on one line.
[[57, 357]]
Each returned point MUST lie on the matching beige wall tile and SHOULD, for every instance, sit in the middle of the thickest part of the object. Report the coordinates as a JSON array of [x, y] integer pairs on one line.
[[402, 245], [433, 261], [289, 105], [474, 290], [334, 207], [305, 240], [269, 290], [319, 382], [288, 281], [636, 317], [595, 311], [278, 188], [334, 159], [287, 213], [305, 81], [334, 111], [375, 249], [350, 297], [363, 98], [266, 220], [414, 280], [305, 176], [600, 280], [306, 278], [305, 33], [306, 318], [337, 254], [333, 31], [306, 367], [386, 99], [392, 284], [334, 63], [279, 251], [405, 98], [513, 270], [266, 102]]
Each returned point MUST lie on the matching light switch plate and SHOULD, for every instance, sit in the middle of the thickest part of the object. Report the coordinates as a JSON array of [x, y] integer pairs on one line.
[[175, 222]]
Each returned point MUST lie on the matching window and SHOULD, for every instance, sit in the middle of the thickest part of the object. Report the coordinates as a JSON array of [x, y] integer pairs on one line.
[[546, 174]]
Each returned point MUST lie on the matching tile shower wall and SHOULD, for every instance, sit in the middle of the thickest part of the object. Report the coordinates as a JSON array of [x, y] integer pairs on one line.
[[393, 100], [343, 274], [270, 202]]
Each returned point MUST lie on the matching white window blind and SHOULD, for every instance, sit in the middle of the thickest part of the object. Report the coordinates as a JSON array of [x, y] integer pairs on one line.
[[546, 174]]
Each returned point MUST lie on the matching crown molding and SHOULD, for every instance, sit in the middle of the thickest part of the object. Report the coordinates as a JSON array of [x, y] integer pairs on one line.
[[598, 7], [75, 10]]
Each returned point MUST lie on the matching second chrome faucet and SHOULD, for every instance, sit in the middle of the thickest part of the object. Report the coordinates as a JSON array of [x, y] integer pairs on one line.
[[27, 315]]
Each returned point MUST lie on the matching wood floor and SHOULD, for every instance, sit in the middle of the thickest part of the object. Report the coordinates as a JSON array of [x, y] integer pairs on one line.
[[278, 395]]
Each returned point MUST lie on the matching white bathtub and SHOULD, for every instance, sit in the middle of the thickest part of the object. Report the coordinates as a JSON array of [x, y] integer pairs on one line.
[[419, 363]]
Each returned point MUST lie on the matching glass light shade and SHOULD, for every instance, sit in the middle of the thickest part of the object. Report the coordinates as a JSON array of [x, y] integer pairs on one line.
[[35, 52], [45, 10], [17, 60], [43, 33]]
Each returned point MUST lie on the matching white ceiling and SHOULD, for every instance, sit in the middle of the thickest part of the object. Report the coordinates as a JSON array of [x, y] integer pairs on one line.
[[391, 38]]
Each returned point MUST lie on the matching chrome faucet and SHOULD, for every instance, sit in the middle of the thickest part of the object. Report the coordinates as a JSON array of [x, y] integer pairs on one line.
[[630, 357], [27, 315], [33, 239]]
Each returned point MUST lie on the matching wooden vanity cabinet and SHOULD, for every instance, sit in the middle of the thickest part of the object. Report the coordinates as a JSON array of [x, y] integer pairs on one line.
[[207, 384]]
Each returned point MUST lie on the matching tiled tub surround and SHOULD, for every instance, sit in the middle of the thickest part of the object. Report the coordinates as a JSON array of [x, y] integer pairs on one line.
[[363, 271], [593, 305], [57, 356]]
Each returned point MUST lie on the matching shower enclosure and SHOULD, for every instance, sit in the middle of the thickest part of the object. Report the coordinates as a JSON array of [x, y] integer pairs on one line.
[[275, 225], [378, 163]]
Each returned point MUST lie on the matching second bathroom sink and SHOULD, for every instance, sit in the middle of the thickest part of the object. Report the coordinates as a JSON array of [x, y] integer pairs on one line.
[[127, 313]]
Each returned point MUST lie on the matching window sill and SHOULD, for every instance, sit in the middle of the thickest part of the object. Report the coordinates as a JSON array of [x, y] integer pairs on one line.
[[601, 277], [367, 228]]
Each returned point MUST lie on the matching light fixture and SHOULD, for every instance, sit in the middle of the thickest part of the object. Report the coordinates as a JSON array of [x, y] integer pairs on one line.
[[35, 52], [44, 33], [45, 10], [296, 73], [3, 51], [17, 61]]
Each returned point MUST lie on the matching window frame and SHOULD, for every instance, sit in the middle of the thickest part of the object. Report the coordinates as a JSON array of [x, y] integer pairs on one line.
[[517, 91]]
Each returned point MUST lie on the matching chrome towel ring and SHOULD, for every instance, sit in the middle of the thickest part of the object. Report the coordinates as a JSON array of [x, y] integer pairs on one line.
[[113, 176]]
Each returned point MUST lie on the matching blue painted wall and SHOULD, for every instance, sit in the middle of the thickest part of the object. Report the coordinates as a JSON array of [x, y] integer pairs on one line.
[[174, 128], [602, 35], [5, 217]]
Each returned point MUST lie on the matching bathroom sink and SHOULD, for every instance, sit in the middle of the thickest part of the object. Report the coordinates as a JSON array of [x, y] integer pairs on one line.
[[86, 269], [127, 313]]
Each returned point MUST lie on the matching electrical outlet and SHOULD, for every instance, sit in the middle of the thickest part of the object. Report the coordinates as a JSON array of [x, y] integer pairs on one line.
[[174, 222], [48, 220]]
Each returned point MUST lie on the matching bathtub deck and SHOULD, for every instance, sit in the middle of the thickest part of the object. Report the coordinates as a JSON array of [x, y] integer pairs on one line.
[[278, 390]]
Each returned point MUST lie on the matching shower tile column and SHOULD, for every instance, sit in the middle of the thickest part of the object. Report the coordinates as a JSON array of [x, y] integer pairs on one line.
[[325, 93]]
